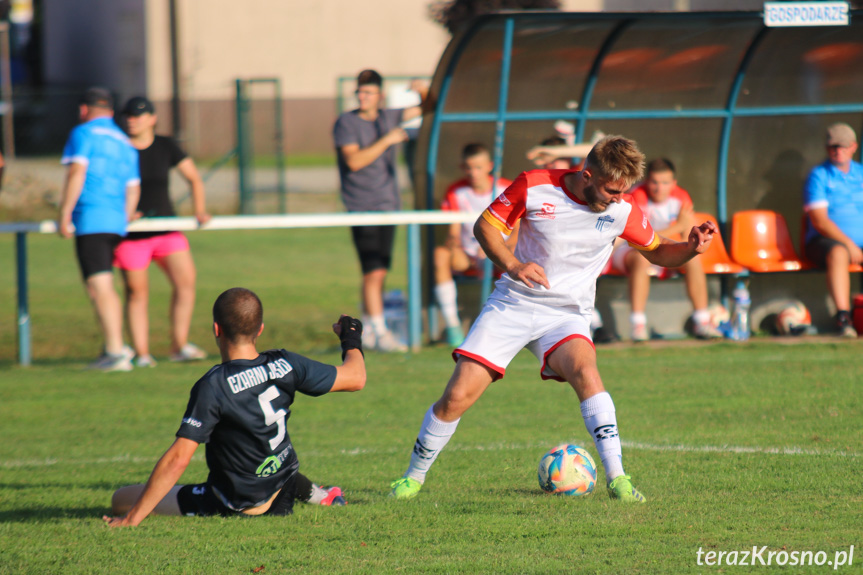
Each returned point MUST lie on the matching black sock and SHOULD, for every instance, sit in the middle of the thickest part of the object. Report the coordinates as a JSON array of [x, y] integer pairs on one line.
[[302, 488]]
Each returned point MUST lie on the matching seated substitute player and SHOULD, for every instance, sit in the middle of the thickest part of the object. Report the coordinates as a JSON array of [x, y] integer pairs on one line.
[[240, 409], [669, 210], [543, 302], [461, 252]]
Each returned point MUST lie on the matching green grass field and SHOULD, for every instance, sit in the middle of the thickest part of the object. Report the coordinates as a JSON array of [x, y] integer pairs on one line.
[[735, 445]]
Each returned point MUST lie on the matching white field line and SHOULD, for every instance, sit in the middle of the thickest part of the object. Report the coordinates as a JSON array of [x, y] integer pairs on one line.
[[636, 445]]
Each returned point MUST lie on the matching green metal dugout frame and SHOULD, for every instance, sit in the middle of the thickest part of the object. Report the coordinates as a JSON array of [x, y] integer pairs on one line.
[[731, 102], [248, 140]]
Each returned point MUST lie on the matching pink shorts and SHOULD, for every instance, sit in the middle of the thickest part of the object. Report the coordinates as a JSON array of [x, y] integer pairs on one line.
[[137, 254]]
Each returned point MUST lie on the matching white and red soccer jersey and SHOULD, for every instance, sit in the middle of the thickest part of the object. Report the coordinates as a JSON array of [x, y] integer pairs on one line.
[[562, 234], [662, 215], [461, 197]]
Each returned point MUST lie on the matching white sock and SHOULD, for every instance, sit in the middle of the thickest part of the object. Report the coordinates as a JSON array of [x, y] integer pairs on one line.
[[433, 437], [601, 423], [318, 494], [638, 318], [701, 316], [378, 324], [595, 320], [446, 299]]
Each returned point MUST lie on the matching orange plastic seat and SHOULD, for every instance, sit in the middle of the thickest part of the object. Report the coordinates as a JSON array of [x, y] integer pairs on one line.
[[760, 242], [716, 259]]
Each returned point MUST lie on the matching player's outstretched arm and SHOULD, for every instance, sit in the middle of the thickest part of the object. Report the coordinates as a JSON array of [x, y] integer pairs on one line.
[[165, 475], [671, 254], [497, 250], [351, 375]]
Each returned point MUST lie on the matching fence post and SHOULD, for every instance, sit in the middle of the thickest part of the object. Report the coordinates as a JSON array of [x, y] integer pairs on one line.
[[242, 148], [24, 355], [414, 289]]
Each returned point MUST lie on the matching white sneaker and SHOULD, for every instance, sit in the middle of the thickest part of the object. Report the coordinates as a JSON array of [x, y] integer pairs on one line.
[[369, 339], [189, 352], [706, 331], [639, 332], [112, 362], [145, 361], [388, 342]]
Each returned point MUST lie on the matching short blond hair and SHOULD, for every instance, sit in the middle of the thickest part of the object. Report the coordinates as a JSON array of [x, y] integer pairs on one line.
[[615, 159]]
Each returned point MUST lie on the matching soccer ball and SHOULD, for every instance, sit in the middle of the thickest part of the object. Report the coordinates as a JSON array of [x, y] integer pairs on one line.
[[567, 470], [793, 319]]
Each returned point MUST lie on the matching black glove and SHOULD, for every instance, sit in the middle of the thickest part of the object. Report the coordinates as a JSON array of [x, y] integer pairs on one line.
[[351, 334]]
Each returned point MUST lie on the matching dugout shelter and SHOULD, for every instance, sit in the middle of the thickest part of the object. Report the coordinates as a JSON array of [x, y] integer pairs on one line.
[[739, 108]]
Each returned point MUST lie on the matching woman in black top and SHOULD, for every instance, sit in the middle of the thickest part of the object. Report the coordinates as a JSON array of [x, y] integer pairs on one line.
[[169, 249]]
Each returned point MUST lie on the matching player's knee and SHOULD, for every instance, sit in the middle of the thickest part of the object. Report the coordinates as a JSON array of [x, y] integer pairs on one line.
[[838, 255], [137, 292]]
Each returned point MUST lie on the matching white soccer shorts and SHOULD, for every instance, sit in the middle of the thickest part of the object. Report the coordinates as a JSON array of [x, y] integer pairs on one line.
[[508, 323]]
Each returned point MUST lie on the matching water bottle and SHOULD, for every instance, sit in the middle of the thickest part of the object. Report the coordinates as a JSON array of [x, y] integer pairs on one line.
[[740, 319], [396, 314]]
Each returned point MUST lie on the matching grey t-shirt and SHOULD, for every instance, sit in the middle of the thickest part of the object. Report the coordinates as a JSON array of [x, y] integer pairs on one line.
[[373, 188]]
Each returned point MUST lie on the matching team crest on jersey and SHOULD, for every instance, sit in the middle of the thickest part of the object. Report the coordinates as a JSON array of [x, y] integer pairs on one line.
[[546, 211], [602, 221], [644, 221], [269, 466], [504, 200]]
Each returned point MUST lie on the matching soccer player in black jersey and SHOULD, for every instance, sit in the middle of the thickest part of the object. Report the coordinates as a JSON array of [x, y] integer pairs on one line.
[[239, 409]]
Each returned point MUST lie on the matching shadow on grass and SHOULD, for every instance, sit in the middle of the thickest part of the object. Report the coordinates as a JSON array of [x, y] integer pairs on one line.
[[44, 514], [74, 363], [53, 486]]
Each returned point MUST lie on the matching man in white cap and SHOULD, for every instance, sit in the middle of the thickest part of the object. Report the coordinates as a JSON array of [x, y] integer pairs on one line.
[[833, 200]]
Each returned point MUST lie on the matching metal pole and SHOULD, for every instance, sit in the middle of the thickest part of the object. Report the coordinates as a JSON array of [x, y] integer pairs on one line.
[[280, 152], [500, 130], [6, 80], [414, 288], [176, 124], [24, 355], [242, 150]]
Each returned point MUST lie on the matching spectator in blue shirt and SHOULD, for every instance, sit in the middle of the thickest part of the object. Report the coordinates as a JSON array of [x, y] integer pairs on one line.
[[833, 200], [98, 199]]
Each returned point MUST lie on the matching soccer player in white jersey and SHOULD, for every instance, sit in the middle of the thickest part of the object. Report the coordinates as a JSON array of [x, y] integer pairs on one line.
[[461, 253], [569, 220]]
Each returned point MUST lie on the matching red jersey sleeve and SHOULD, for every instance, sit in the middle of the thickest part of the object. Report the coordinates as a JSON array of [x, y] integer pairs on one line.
[[639, 196], [638, 231], [509, 207], [683, 196], [450, 204]]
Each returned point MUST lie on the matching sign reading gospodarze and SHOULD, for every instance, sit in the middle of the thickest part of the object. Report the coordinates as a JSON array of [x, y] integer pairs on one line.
[[779, 14]]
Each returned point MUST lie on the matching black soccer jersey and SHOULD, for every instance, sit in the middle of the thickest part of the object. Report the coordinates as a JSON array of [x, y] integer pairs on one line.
[[155, 163], [240, 410]]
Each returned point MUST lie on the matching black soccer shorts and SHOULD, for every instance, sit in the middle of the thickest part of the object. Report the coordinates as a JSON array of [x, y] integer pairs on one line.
[[200, 500], [374, 246], [96, 253]]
